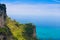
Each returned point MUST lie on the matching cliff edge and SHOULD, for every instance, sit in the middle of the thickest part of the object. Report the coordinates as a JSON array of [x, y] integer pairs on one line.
[[13, 30]]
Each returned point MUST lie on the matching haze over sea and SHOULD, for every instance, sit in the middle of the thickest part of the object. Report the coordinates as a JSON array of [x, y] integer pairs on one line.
[[45, 14]]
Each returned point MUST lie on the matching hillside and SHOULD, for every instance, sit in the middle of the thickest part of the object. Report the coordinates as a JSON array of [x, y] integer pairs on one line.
[[13, 30], [19, 31]]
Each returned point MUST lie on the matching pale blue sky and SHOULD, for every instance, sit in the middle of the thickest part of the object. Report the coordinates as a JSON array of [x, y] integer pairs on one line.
[[33, 8]]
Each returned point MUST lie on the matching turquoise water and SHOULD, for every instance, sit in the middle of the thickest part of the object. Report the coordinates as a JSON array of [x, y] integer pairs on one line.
[[53, 33], [45, 27]]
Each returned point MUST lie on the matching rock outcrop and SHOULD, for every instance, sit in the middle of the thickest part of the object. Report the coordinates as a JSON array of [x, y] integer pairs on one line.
[[2, 15], [5, 33], [12, 30]]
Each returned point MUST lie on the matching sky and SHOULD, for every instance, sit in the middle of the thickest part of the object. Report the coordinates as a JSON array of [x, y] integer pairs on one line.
[[36, 6], [34, 9]]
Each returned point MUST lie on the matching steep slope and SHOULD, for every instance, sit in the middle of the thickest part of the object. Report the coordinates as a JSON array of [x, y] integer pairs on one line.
[[21, 31], [5, 34]]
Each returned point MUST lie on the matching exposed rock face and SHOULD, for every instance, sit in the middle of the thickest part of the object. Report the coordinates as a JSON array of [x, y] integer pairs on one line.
[[2, 15], [2, 21], [34, 32], [3, 36]]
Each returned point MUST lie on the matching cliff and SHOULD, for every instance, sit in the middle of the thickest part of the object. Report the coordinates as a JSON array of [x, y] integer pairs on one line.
[[2, 15], [14, 30], [21, 31]]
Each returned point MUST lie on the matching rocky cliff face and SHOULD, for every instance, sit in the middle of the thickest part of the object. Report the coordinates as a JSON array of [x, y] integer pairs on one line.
[[2, 15], [12, 30], [2, 21]]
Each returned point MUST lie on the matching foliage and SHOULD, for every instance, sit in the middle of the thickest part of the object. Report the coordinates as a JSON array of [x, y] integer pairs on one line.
[[20, 31]]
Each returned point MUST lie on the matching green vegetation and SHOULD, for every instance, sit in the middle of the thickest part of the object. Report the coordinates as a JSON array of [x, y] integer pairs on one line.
[[13, 30], [20, 31], [6, 32]]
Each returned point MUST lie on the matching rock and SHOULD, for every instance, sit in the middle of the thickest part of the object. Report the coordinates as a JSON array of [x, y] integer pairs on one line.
[[2, 15]]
